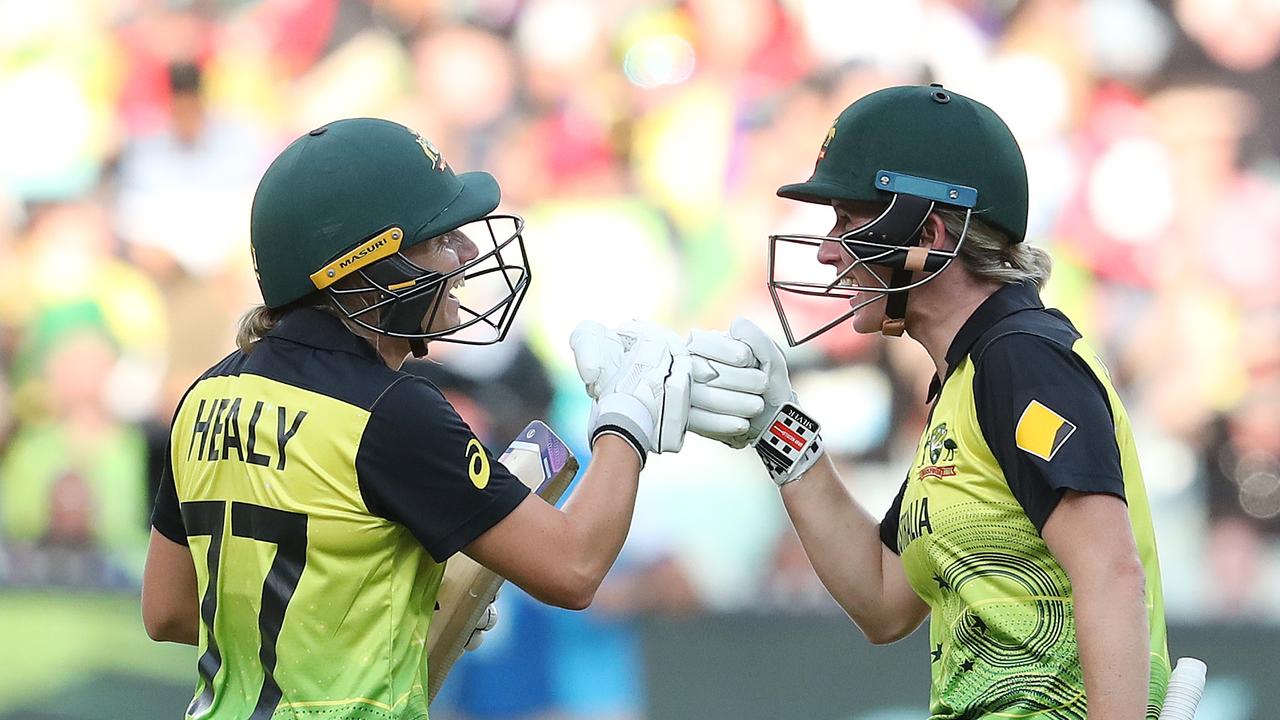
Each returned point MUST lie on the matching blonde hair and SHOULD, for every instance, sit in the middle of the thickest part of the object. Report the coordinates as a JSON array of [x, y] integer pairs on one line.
[[254, 325], [988, 254], [260, 319]]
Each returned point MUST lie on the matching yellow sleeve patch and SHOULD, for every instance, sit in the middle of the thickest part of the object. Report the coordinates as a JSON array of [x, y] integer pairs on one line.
[[477, 464], [1042, 431]]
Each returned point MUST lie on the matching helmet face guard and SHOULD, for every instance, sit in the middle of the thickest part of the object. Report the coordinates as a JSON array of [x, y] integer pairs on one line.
[[890, 240], [388, 294]]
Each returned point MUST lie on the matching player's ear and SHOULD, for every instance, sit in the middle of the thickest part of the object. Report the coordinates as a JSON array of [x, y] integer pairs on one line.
[[934, 233]]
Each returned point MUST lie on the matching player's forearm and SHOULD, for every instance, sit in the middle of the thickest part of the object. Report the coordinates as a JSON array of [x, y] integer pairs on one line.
[[599, 512], [842, 541], [1111, 629]]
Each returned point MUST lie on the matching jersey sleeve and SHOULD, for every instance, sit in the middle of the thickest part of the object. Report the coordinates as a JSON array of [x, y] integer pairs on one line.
[[889, 525], [421, 466], [166, 516], [1048, 422]]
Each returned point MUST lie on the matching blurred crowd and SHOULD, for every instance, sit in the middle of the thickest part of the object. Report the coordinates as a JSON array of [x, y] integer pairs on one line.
[[642, 140]]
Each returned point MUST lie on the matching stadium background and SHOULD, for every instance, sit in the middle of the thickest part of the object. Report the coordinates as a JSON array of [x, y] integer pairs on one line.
[[642, 141]]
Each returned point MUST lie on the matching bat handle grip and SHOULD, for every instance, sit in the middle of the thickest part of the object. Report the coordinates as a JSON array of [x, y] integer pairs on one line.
[[1186, 686]]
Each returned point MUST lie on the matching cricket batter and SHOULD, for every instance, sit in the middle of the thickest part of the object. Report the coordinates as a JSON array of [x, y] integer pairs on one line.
[[313, 492], [1022, 529]]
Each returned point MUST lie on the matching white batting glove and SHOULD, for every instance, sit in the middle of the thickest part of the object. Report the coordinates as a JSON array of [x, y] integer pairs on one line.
[[742, 396], [727, 388], [638, 375], [487, 621]]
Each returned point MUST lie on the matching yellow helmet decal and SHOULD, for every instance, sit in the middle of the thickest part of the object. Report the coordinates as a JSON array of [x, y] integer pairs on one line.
[[380, 246]]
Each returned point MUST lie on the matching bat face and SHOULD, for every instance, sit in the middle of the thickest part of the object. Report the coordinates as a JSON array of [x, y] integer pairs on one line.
[[541, 460], [538, 444]]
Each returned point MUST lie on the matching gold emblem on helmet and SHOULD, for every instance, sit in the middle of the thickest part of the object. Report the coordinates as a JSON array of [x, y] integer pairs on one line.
[[831, 135], [437, 160]]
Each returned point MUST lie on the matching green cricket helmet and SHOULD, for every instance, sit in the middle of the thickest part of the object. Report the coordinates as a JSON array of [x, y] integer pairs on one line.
[[335, 210], [911, 149]]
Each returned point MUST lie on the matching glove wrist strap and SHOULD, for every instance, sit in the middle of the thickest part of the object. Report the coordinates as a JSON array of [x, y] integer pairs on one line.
[[625, 416], [790, 444]]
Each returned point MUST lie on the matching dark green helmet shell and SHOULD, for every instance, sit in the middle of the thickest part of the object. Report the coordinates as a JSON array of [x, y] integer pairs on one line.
[[340, 185], [923, 131]]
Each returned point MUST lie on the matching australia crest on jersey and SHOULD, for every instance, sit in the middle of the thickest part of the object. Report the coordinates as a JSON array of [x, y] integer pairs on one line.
[[939, 449]]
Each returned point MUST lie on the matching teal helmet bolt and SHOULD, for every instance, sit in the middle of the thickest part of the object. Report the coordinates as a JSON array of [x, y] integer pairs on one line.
[[912, 149], [340, 203]]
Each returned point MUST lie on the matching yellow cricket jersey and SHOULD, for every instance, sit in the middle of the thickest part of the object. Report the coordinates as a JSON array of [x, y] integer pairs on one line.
[[320, 494], [1026, 412]]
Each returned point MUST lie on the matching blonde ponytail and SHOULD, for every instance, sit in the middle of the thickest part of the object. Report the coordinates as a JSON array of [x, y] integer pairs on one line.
[[1034, 263], [260, 319], [254, 325], [988, 255]]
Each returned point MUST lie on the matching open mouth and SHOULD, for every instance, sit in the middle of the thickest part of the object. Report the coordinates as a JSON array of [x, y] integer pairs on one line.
[[854, 296], [455, 284]]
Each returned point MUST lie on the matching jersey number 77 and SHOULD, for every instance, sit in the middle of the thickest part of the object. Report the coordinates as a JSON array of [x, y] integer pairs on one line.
[[286, 530]]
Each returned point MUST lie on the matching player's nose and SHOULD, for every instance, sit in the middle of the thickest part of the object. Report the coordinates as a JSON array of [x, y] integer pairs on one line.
[[830, 253], [467, 250]]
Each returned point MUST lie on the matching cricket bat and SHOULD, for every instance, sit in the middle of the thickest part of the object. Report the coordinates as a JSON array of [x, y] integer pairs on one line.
[[543, 462]]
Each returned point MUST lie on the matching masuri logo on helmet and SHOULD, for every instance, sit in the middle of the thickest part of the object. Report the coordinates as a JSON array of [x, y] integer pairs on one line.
[[912, 148], [343, 200]]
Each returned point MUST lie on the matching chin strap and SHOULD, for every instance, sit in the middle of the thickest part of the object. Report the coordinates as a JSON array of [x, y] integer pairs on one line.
[[895, 309], [418, 347]]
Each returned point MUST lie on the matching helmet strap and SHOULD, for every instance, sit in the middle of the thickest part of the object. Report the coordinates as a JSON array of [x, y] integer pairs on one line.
[[895, 307], [904, 218]]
